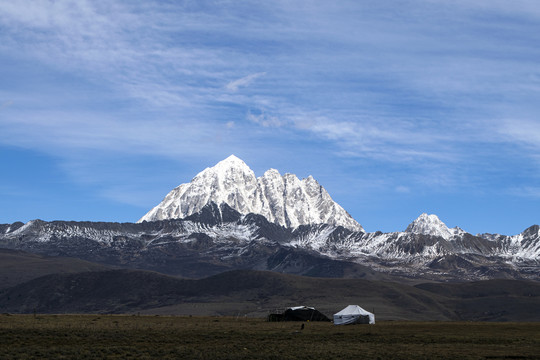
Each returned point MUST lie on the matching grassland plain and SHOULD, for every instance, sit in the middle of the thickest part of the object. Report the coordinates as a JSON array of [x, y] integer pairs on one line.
[[175, 337]]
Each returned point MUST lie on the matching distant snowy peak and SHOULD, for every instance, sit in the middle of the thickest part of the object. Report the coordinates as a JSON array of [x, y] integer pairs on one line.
[[285, 200], [431, 225]]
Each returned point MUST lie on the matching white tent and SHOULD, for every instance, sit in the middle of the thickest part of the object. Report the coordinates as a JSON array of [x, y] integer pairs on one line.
[[353, 314]]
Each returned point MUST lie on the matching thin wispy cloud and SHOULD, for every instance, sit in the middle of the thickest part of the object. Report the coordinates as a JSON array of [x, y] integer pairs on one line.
[[265, 120], [243, 82], [526, 132], [99, 38]]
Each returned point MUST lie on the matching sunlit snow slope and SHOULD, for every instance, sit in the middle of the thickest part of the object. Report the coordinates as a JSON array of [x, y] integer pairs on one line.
[[285, 200]]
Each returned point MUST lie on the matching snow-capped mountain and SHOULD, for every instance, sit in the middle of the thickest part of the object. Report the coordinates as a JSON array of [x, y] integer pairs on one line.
[[431, 225], [284, 200], [219, 238], [227, 218]]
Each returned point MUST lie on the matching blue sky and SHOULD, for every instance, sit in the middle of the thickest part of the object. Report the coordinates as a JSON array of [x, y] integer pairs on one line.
[[395, 107]]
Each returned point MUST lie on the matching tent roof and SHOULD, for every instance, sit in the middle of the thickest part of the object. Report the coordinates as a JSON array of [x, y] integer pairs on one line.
[[353, 310], [301, 307], [304, 313]]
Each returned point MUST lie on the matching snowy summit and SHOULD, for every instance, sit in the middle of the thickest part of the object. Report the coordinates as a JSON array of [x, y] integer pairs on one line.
[[285, 200], [431, 225]]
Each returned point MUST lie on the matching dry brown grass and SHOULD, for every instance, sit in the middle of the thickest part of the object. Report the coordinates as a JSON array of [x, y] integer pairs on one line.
[[174, 337]]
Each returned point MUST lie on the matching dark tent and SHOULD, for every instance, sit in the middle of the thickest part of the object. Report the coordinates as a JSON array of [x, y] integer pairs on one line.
[[299, 313]]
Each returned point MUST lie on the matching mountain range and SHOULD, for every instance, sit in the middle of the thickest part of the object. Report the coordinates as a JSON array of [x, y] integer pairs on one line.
[[226, 220], [219, 238]]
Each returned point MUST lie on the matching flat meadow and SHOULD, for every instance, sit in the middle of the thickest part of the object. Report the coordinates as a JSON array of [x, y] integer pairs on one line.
[[183, 337]]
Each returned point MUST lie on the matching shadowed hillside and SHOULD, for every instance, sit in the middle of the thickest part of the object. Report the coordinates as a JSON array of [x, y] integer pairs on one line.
[[18, 266], [255, 293]]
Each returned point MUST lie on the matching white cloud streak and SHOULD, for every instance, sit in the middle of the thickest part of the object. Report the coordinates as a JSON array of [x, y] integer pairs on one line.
[[526, 192], [243, 82], [265, 120], [522, 131]]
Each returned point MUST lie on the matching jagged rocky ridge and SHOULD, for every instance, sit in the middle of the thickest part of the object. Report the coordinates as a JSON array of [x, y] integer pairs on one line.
[[284, 200], [218, 238]]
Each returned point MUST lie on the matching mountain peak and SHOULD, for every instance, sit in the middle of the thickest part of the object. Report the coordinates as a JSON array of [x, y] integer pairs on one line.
[[232, 160], [284, 200], [229, 170], [271, 173], [429, 225]]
